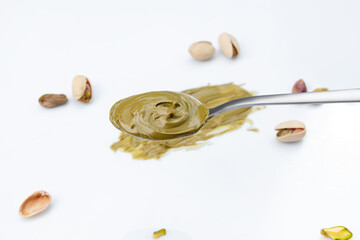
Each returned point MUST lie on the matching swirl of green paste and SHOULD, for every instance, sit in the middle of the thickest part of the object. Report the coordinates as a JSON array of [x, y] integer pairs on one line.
[[159, 115]]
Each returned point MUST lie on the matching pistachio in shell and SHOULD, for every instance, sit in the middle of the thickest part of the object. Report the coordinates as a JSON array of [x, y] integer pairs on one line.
[[81, 88], [290, 131], [35, 204], [229, 46], [202, 50]]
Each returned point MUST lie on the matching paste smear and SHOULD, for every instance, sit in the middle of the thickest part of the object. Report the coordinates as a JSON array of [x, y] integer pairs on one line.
[[211, 96]]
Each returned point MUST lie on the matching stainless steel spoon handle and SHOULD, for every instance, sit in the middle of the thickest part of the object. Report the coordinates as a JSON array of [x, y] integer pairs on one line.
[[337, 96]]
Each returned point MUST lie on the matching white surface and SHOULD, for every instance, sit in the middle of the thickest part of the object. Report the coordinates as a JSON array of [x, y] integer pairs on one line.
[[244, 185]]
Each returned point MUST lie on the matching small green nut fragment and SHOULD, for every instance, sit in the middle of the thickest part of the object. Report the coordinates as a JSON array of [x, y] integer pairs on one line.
[[321, 90], [160, 233], [337, 233]]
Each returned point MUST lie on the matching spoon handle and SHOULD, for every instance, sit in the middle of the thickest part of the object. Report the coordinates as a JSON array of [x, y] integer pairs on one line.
[[337, 96]]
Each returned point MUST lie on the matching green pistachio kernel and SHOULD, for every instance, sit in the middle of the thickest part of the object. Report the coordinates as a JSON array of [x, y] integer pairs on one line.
[[337, 233], [160, 233], [321, 90], [87, 94]]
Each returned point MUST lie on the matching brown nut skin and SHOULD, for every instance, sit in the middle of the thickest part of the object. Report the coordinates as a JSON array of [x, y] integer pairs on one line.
[[82, 90], [202, 50], [228, 45], [299, 87], [290, 131], [52, 100], [35, 204]]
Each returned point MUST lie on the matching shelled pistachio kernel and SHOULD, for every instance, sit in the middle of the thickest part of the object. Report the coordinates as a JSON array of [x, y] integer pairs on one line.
[[82, 90], [52, 100], [321, 90], [299, 86], [160, 233], [35, 204], [229, 46], [202, 50], [290, 131], [337, 233]]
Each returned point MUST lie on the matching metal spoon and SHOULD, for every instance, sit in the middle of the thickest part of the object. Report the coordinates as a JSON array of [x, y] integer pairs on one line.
[[337, 96]]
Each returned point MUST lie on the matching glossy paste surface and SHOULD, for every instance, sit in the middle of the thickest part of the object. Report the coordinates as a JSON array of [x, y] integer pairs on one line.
[[210, 96]]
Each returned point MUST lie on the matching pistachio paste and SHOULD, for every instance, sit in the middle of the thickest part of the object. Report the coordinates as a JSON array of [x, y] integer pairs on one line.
[[210, 96], [159, 115], [321, 90]]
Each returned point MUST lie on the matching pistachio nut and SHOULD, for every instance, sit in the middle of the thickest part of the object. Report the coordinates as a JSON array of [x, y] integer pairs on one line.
[[321, 90], [290, 131], [81, 88], [35, 203], [52, 100], [299, 87], [160, 233], [336, 233], [229, 46], [202, 50]]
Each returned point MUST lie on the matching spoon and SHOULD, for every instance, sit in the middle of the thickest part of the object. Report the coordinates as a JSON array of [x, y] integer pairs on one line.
[[201, 115], [336, 96]]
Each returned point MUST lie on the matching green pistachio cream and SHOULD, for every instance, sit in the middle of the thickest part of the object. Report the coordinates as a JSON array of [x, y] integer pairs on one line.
[[159, 115]]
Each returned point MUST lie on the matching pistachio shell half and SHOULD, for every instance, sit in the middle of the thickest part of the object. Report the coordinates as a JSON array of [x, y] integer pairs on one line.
[[81, 88], [35, 203], [290, 131], [229, 46], [202, 50]]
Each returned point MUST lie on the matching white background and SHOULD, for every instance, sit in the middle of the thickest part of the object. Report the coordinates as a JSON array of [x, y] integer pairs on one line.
[[243, 185]]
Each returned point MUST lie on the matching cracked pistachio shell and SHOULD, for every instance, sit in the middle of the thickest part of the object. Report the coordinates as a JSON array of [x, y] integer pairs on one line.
[[290, 131], [337, 233], [81, 88], [35, 204], [202, 50], [229, 46]]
